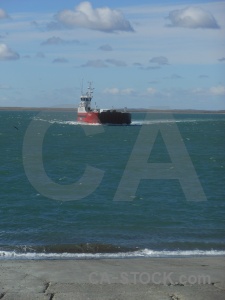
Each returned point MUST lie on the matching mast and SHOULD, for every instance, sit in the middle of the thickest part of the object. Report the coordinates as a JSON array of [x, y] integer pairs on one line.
[[90, 90]]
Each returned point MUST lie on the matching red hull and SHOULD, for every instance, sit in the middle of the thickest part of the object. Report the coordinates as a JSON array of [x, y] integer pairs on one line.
[[90, 117]]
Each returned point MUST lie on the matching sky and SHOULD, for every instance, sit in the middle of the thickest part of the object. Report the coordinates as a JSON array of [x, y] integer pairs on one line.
[[137, 53]]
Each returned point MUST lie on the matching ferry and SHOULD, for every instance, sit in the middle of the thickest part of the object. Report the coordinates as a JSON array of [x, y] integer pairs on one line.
[[86, 114]]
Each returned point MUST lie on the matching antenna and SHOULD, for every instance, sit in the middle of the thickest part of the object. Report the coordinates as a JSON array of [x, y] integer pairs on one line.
[[82, 91]]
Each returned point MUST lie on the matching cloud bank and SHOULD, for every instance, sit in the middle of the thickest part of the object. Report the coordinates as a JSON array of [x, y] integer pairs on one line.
[[102, 19], [7, 54], [218, 90], [192, 17]]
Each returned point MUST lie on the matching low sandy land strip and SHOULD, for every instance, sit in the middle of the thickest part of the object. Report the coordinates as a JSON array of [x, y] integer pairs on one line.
[[174, 111]]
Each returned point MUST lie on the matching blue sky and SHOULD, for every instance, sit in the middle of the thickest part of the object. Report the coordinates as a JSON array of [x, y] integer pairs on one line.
[[150, 54]]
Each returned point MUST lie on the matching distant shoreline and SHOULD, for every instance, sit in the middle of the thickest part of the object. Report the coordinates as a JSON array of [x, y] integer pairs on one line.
[[176, 111]]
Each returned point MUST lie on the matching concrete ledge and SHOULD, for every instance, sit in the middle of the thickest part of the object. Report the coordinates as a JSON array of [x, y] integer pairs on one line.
[[153, 278]]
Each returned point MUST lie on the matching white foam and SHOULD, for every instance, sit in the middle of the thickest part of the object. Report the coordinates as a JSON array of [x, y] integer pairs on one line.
[[56, 121], [161, 121], [140, 253]]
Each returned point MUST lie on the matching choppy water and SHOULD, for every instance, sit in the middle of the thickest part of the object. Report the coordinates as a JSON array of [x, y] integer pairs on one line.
[[158, 219]]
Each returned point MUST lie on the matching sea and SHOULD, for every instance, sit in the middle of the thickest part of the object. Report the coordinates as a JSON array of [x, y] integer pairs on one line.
[[155, 188]]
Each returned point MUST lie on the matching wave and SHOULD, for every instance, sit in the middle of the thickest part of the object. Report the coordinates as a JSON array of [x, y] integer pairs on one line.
[[61, 122], [145, 253], [172, 120], [134, 122], [160, 121]]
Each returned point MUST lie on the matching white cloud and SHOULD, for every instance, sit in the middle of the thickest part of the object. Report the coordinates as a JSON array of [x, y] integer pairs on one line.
[[7, 54], [128, 91], [112, 91], [192, 17], [102, 19], [3, 14], [198, 91], [218, 90], [151, 91], [117, 91]]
